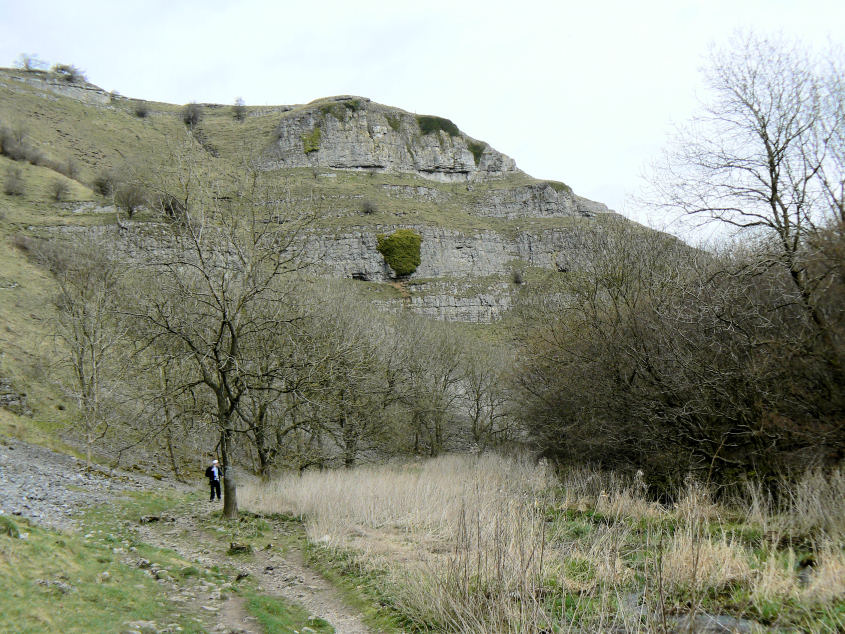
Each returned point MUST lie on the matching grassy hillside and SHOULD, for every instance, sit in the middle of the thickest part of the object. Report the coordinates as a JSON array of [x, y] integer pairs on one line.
[[75, 134]]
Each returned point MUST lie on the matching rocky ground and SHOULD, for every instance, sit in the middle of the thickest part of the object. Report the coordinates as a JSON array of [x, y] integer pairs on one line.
[[51, 489], [279, 573]]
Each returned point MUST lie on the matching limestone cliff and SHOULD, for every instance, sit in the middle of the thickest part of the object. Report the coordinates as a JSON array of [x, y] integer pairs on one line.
[[358, 134], [356, 167]]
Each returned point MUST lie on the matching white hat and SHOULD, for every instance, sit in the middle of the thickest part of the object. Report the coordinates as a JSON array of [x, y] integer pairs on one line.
[[213, 462]]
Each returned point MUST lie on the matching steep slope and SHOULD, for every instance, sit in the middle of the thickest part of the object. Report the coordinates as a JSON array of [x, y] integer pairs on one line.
[[367, 169]]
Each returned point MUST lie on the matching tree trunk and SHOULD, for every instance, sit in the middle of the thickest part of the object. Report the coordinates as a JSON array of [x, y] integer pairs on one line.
[[230, 488]]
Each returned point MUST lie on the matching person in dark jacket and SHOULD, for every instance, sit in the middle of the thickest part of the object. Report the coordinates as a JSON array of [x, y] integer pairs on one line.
[[213, 474]]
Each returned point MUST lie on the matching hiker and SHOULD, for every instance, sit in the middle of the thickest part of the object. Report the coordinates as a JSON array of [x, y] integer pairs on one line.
[[213, 474]]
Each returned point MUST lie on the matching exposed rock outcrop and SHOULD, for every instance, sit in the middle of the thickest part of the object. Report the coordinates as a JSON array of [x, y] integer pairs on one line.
[[447, 253], [354, 133]]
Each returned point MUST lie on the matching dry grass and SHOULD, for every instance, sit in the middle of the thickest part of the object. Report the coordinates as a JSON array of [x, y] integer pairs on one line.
[[483, 544]]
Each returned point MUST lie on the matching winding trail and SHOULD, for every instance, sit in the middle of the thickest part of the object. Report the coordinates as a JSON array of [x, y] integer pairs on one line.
[[51, 489], [278, 573]]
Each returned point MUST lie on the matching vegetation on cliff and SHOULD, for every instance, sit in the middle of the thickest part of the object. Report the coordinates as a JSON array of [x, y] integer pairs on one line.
[[401, 250]]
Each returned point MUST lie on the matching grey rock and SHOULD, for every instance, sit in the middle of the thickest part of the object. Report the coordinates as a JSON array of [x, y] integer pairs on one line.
[[358, 134], [13, 400]]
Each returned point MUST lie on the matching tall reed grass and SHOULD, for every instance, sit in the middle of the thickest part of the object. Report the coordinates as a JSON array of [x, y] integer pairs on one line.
[[493, 544]]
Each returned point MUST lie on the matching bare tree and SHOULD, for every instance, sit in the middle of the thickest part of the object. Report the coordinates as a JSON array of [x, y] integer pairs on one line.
[[212, 293], [88, 328], [239, 110], [30, 62], [767, 156], [129, 196], [484, 396]]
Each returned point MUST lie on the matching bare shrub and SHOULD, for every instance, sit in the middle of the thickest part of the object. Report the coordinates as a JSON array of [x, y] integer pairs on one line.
[[141, 109], [58, 189], [68, 73], [239, 110], [30, 62], [129, 197], [192, 114], [105, 183], [368, 207], [14, 185], [70, 168]]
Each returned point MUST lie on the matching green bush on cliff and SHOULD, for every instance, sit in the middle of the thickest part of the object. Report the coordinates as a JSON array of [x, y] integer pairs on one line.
[[311, 141], [338, 109], [394, 122], [477, 150], [429, 125], [401, 250]]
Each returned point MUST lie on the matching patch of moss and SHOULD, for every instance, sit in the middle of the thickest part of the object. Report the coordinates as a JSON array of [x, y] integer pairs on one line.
[[560, 187], [311, 141], [334, 109], [352, 104], [401, 250], [477, 149], [394, 122], [9, 528], [430, 125], [338, 109]]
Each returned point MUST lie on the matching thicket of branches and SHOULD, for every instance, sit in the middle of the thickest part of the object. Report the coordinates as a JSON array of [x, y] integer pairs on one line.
[[727, 365]]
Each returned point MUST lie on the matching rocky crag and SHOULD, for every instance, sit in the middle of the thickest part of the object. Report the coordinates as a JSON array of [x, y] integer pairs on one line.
[[366, 169]]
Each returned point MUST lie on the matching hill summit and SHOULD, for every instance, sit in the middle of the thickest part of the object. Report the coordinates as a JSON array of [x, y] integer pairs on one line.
[[482, 226]]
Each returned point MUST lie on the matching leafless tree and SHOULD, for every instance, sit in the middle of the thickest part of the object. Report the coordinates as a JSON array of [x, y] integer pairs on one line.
[[767, 157], [239, 110], [30, 62], [88, 328], [213, 292]]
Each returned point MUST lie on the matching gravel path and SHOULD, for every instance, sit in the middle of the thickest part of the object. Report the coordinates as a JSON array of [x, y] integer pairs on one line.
[[51, 488], [282, 574]]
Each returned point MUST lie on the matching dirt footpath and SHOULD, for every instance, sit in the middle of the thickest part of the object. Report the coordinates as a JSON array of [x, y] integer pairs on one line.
[[277, 573], [50, 488]]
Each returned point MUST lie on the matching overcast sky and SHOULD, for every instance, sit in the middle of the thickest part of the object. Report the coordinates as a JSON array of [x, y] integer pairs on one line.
[[583, 92]]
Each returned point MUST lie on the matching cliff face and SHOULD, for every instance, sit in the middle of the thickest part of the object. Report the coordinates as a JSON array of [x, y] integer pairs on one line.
[[353, 133], [447, 253], [358, 168]]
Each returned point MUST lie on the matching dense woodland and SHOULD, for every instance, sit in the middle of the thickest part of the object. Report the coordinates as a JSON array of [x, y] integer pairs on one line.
[[210, 334]]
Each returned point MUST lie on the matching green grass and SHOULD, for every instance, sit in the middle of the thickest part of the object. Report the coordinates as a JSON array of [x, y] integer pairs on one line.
[[394, 122], [52, 581], [366, 590], [429, 125], [278, 616], [477, 150], [363, 590], [311, 140]]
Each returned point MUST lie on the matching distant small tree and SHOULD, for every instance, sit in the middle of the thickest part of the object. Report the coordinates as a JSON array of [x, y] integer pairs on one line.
[[59, 189], [14, 184], [142, 109], [105, 183], [30, 62], [70, 168], [239, 109], [192, 114], [68, 73], [129, 197]]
